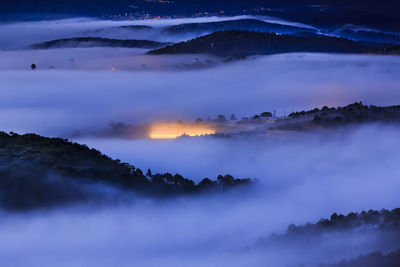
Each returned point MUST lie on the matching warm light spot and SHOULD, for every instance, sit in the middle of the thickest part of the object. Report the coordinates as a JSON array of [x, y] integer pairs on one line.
[[113, 69], [174, 130]]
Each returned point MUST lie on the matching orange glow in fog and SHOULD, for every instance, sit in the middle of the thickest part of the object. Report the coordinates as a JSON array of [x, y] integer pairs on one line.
[[174, 130]]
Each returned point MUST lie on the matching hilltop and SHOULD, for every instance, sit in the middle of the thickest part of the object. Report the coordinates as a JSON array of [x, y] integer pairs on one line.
[[380, 228], [239, 24], [356, 113], [244, 43], [37, 172]]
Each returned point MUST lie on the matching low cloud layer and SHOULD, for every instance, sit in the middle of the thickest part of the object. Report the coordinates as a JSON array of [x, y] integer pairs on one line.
[[302, 177], [58, 102]]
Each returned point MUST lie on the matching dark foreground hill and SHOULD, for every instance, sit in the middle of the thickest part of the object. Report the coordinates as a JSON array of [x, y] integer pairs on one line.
[[37, 172], [97, 42], [244, 43]]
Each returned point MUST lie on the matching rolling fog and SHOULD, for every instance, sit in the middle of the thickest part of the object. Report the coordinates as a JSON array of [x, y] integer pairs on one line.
[[22, 34], [302, 178], [59, 102]]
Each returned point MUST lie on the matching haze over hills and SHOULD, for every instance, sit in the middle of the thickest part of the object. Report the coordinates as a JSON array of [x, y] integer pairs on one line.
[[198, 89]]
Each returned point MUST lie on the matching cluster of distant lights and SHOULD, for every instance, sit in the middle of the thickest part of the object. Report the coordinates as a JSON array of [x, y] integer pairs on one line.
[[147, 16]]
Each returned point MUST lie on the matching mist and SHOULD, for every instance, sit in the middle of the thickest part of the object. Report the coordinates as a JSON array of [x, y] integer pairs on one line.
[[302, 177], [59, 102], [20, 35]]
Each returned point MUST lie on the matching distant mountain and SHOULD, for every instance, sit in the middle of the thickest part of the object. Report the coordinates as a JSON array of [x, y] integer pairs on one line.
[[97, 42], [325, 13], [39, 172], [245, 43], [240, 24]]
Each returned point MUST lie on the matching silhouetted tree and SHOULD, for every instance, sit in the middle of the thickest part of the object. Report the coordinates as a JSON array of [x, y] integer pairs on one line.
[[221, 118], [266, 114]]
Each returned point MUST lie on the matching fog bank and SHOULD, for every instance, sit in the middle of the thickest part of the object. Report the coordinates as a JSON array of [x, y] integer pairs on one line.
[[58, 102]]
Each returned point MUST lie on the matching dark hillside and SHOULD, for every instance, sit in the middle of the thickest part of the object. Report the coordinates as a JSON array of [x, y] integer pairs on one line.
[[37, 172], [245, 43]]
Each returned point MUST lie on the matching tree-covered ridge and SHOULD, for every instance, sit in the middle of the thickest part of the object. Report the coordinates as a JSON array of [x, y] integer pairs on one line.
[[97, 42], [34, 169], [366, 222], [235, 43], [353, 113], [372, 219], [369, 229]]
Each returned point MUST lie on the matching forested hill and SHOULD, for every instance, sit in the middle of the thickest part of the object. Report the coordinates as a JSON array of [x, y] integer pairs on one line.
[[355, 113], [366, 222], [37, 172], [373, 229], [244, 43]]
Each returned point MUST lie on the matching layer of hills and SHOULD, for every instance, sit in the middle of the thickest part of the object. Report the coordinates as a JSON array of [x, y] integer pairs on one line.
[[353, 32], [244, 43], [239, 24], [39, 172], [97, 42], [239, 37], [326, 13], [233, 43]]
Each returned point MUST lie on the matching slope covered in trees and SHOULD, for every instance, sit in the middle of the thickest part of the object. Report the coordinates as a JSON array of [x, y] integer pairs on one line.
[[37, 171], [350, 114], [372, 220], [244, 43], [367, 231]]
